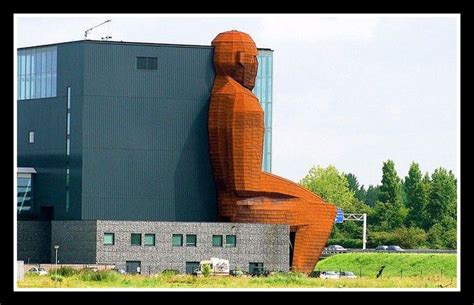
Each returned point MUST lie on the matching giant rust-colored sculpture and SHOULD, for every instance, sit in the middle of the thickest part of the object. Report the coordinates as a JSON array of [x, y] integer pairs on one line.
[[236, 128]]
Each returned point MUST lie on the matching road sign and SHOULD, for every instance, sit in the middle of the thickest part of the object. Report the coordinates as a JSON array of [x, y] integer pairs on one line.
[[339, 216]]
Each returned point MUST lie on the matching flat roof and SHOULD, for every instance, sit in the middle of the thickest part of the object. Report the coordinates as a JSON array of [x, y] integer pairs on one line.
[[130, 43]]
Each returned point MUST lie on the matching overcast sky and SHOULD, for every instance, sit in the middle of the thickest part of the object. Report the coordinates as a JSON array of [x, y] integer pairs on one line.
[[349, 90]]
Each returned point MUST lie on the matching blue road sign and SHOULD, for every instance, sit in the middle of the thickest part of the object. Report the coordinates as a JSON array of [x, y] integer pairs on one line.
[[339, 216]]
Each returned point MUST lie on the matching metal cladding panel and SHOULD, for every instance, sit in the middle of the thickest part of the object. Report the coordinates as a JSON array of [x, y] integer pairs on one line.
[[145, 154], [47, 118]]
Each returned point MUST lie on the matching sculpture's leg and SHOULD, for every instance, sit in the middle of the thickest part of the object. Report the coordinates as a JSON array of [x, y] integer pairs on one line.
[[310, 239]]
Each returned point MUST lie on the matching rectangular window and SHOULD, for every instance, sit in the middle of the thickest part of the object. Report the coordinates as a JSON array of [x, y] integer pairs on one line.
[[152, 63], [136, 239], [31, 137], [256, 268], [37, 73], [177, 240], [149, 240], [147, 63], [141, 63], [217, 240], [109, 239], [191, 240], [230, 241]]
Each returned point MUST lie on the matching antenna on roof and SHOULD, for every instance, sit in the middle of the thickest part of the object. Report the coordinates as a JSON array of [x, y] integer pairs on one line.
[[88, 30]]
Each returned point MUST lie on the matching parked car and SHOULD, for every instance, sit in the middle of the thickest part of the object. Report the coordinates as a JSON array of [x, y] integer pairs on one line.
[[329, 275], [38, 270], [381, 248], [119, 270], [395, 248], [337, 248], [347, 275], [239, 273]]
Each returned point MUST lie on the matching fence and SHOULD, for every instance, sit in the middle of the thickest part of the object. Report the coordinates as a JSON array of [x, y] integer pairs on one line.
[[327, 253]]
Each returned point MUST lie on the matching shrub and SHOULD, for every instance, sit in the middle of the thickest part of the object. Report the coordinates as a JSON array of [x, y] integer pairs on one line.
[[64, 271], [57, 278], [206, 270], [102, 275], [169, 272]]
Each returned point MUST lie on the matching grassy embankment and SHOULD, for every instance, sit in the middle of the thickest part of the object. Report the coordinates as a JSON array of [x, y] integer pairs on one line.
[[411, 277]]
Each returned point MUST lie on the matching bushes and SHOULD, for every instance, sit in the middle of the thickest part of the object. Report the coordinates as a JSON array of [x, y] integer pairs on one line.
[[170, 272], [102, 275], [57, 278], [408, 238], [346, 242], [64, 271]]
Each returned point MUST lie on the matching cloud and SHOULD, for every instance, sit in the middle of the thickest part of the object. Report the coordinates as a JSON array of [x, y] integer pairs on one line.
[[316, 28]]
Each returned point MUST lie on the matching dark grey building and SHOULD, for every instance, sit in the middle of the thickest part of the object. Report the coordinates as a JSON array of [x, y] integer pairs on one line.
[[118, 130], [113, 148]]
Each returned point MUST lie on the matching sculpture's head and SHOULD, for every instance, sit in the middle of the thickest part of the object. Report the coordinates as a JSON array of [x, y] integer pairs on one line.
[[235, 55]]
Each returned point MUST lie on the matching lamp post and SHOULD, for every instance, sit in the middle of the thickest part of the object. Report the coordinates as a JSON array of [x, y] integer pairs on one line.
[[56, 250]]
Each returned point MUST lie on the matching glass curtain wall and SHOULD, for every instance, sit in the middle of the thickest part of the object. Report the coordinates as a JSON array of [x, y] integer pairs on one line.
[[37, 73]]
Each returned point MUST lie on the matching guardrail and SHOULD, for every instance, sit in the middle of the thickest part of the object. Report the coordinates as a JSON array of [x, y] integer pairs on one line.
[[428, 251]]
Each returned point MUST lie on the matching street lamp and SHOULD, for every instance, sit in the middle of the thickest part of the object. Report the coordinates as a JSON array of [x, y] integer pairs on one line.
[[56, 249]]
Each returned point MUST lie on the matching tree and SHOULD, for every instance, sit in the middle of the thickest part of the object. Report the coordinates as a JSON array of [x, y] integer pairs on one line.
[[390, 188], [330, 185], [359, 191], [442, 196], [372, 195], [417, 196]]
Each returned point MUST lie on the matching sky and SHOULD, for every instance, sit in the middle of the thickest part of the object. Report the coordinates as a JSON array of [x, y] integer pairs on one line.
[[349, 90]]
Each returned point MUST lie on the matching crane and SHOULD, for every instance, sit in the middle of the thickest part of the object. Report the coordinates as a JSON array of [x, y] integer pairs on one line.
[[88, 30]]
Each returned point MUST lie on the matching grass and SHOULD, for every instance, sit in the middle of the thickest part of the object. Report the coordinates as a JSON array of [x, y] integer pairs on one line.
[[396, 264], [369, 262]]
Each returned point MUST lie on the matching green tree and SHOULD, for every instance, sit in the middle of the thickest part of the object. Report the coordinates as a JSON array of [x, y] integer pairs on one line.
[[442, 196], [354, 186], [417, 196], [332, 186], [372, 195], [442, 235], [390, 188]]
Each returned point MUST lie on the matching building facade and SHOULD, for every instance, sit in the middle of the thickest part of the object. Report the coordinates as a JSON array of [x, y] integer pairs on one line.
[[118, 131], [112, 146]]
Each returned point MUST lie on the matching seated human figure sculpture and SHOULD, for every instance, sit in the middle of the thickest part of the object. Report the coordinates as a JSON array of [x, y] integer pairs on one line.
[[236, 130]]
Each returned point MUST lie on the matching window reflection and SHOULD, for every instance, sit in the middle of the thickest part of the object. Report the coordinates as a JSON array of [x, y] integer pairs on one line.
[[37, 73]]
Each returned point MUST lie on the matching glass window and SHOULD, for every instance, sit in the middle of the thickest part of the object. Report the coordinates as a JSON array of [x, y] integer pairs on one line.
[[109, 239], [177, 240], [152, 63], [31, 137], [24, 194], [191, 240], [149, 240], [37, 76], [230, 241], [141, 62], [136, 239], [217, 240]]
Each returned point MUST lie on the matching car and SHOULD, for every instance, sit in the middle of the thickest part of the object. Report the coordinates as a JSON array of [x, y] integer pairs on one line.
[[329, 275], [239, 273], [381, 248], [347, 275], [336, 248], [119, 270], [38, 270], [395, 248]]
